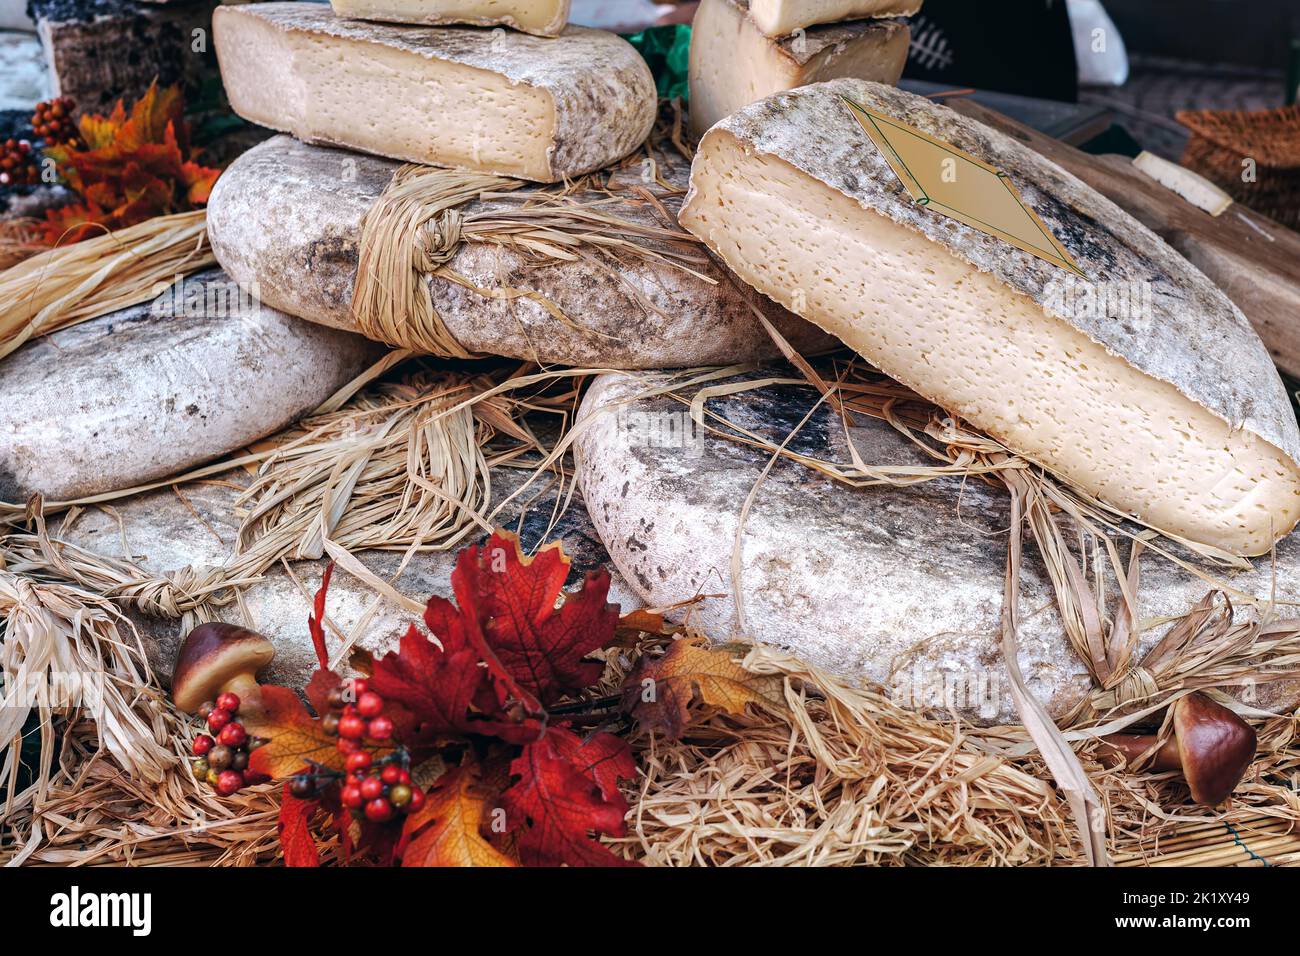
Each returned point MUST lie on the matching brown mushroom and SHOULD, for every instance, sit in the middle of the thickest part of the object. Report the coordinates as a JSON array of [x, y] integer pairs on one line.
[[1211, 745], [215, 658]]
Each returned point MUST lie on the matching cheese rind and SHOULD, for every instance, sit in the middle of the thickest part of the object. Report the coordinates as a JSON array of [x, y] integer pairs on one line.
[[733, 64], [886, 585], [778, 18], [539, 17], [285, 217], [1172, 412], [158, 388], [492, 100]]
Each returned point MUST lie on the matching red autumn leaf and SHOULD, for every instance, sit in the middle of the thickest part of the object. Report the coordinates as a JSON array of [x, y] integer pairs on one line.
[[446, 690], [316, 620], [535, 648], [295, 736], [447, 830], [296, 841], [566, 791]]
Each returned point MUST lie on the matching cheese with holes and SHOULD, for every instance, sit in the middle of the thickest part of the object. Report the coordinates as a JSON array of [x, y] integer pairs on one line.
[[1141, 384], [494, 100], [158, 388], [778, 18], [285, 218], [733, 63], [540, 17]]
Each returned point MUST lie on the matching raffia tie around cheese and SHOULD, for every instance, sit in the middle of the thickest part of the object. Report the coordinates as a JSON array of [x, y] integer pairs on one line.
[[779, 18], [596, 273], [734, 64], [1170, 410], [410, 232], [497, 101], [540, 17]]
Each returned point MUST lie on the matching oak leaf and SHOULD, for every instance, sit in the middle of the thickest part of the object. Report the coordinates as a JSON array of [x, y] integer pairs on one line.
[[296, 840], [534, 648], [447, 830], [660, 691], [295, 737], [567, 789]]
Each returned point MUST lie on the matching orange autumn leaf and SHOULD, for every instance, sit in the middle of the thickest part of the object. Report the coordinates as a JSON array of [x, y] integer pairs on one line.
[[295, 736], [128, 167], [448, 828], [660, 691]]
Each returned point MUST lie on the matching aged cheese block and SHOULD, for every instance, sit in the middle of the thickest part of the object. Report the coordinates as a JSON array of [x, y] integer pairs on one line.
[[162, 534], [100, 51], [24, 81], [158, 388], [13, 16], [286, 217], [778, 18], [734, 64], [541, 17], [896, 586], [533, 107], [1141, 384]]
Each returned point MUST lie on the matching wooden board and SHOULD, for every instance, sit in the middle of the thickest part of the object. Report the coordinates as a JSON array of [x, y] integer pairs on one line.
[[1250, 257]]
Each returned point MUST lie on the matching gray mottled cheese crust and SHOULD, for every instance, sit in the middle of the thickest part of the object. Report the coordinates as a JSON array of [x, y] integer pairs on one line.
[[135, 396], [286, 217], [733, 64], [537, 108], [540, 17], [779, 18], [1171, 412], [161, 534], [895, 586]]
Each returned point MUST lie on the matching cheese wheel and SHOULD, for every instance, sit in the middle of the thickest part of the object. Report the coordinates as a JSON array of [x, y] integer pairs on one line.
[[899, 587], [778, 18], [732, 63], [159, 388], [285, 219], [540, 17], [1169, 410], [162, 534], [492, 100]]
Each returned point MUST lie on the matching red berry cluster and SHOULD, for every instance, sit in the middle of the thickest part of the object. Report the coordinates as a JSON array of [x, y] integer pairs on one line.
[[53, 121], [223, 759], [19, 164], [378, 789]]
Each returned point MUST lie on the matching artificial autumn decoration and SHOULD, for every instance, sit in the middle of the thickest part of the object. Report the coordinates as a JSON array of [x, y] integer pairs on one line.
[[125, 168], [480, 741]]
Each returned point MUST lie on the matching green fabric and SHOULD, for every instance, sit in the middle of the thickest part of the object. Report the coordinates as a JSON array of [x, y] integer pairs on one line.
[[667, 50]]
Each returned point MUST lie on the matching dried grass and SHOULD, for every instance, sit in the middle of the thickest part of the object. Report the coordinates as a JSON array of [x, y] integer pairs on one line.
[[69, 284]]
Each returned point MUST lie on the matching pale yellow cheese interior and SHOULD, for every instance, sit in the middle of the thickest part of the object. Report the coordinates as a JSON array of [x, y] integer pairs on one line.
[[778, 18], [733, 64], [385, 101], [541, 17], [964, 340]]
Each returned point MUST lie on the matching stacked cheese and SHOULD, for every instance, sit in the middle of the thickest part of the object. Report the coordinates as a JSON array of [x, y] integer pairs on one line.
[[551, 103], [744, 50]]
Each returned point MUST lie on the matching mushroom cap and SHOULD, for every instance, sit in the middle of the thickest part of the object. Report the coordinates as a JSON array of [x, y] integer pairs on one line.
[[212, 656], [1216, 747]]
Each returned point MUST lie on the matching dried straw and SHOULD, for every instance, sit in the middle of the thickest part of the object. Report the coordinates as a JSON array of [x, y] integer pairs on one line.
[[73, 283]]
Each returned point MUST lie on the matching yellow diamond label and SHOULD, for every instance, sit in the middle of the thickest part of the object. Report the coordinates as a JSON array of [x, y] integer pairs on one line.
[[950, 181]]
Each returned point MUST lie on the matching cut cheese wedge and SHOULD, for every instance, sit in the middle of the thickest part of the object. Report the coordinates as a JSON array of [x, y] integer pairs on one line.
[[540, 17], [733, 63], [1141, 384], [492, 100], [778, 18]]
